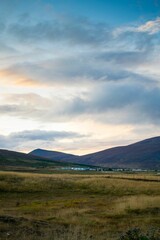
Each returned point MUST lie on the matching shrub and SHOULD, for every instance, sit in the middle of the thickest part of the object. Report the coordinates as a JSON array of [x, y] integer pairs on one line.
[[137, 234]]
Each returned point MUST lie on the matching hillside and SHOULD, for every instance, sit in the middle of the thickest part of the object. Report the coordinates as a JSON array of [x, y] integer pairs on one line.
[[10, 160], [54, 155], [144, 154]]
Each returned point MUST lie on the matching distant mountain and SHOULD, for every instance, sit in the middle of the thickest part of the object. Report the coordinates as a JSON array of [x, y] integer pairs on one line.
[[10, 160], [53, 155], [144, 154]]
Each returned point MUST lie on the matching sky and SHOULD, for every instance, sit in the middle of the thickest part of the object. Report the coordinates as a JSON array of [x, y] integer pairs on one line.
[[78, 76]]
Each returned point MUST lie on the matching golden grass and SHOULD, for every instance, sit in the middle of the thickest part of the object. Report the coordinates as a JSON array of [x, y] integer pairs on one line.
[[97, 204]]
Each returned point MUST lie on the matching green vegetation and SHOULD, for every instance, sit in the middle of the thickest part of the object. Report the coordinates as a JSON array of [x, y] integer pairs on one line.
[[78, 206], [21, 162]]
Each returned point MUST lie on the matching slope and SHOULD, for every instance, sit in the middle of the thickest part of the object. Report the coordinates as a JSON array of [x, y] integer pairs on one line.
[[54, 155], [10, 160], [144, 154]]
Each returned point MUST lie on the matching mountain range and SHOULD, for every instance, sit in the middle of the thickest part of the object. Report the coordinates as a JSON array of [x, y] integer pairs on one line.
[[11, 160], [54, 155], [144, 154]]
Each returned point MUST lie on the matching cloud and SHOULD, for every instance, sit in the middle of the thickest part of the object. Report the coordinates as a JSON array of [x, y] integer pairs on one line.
[[112, 102], [43, 135], [68, 70], [104, 74], [6, 50], [150, 27], [2, 27], [81, 70], [121, 103], [66, 50], [125, 58], [35, 138], [74, 31]]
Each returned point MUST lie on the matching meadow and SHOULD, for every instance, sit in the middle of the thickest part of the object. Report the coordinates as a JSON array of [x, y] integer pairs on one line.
[[78, 206]]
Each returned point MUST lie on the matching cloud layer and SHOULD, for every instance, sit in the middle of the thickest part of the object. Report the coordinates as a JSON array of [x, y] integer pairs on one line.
[[31, 139], [132, 102], [60, 68]]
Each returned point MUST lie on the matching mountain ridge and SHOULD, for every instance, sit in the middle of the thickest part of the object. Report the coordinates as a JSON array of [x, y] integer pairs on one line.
[[12, 160], [57, 155], [144, 154]]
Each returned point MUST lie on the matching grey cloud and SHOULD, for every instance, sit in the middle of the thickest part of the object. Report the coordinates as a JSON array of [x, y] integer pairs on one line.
[[6, 49], [125, 58], [120, 103], [2, 27], [35, 138], [43, 135], [124, 102], [81, 69], [110, 97], [111, 65], [135, 48], [26, 105], [111, 59], [150, 105], [6, 108], [59, 71], [70, 30]]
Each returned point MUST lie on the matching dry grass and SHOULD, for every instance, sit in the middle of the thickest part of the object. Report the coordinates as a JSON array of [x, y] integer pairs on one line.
[[76, 206]]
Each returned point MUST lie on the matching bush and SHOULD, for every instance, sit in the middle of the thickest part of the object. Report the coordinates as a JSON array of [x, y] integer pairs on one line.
[[137, 234]]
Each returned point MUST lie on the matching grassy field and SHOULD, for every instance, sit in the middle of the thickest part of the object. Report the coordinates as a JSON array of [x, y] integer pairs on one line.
[[77, 206]]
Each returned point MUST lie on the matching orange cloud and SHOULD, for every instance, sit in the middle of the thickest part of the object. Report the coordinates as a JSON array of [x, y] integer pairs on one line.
[[11, 78]]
